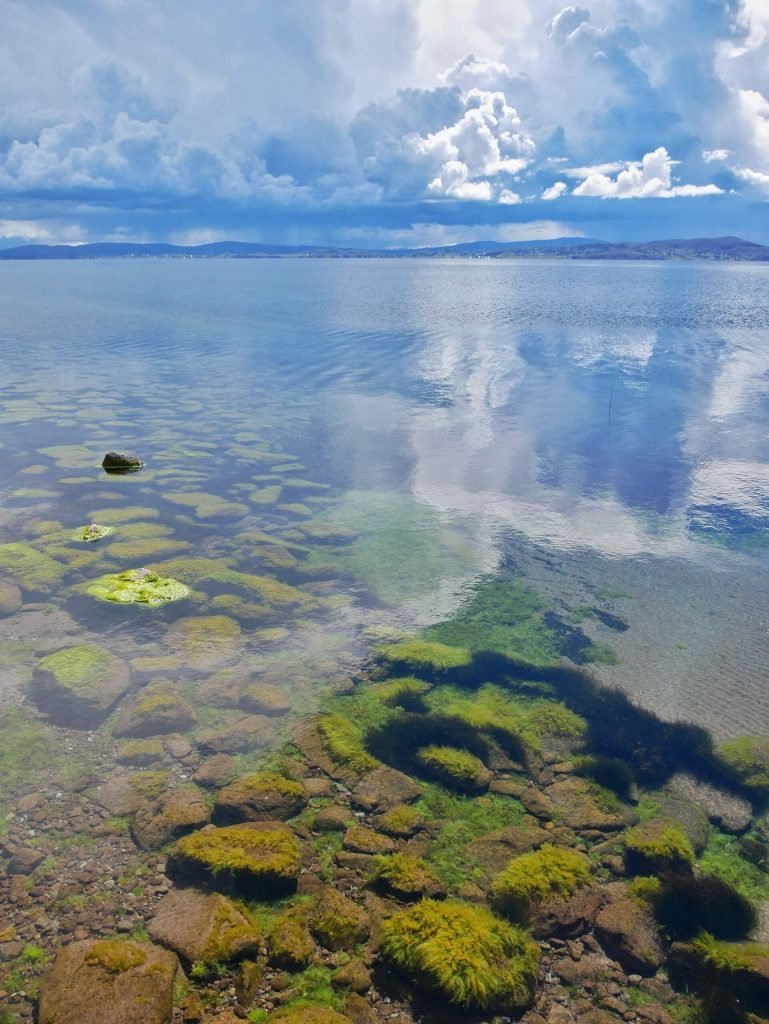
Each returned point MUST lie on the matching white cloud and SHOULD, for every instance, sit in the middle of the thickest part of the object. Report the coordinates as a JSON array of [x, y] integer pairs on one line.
[[715, 156], [651, 178], [555, 191]]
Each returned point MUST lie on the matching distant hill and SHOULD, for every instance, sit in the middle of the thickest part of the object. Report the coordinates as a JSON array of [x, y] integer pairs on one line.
[[728, 248]]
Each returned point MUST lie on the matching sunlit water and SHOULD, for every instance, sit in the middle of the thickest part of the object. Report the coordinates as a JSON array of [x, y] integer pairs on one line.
[[602, 427]]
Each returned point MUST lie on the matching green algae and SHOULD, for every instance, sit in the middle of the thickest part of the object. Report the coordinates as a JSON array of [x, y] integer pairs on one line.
[[137, 586], [264, 588], [117, 516], [402, 875], [206, 506], [239, 852], [265, 495], [146, 549], [189, 570], [454, 767], [33, 569], [417, 656], [465, 954], [548, 873], [746, 759], [94, 532], [656, 846], [344, 744], [79, 667]]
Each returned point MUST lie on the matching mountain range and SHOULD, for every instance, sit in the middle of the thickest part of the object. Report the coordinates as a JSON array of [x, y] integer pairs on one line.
[[726, 248]]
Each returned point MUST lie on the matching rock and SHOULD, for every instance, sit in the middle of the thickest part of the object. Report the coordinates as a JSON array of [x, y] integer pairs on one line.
[[590, 968], [316, 786], [157, 710], [123, 795], [172, 815], [567, 919], [560, 1015], [333, 819], [178, 747], [383, 788], [658, 989], [78, 686], [358, 1010], [654, 1014], [690, 818], [200, 926], [359, 839], [216, 771], [137, 586], [493, 851], [24, 860], [121, 462], [739, 970], [108, 982], [223, 689], [94, 532], [537, 804], [265, 699], [627, 931], [338, 923], [289, 943], [248, 732], [726, 810], [10, 598], [259, 796], [141, 753], [206, 642], [354, 976], [577, 808], [306, 1015], [258, 857]]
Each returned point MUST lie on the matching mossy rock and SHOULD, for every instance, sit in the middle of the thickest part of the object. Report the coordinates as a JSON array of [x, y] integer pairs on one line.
[[323, 532], [401, 821], [78, 686], [579, 807], [337, 922], [463, 954], [551, 872], [746, 760], [238, 734], [265, 699], [656, 846], [31, 568], [421, 657], [203, 927], [627, 931], [307, 1015], [457, 769], [360, 839], [732, 977], [408, 878], [10, 598], [407, 693], [137, 586], [259, 796], [108, 982], [121, 462], [207, 643], [257, 858], [263, 589], [343, 742], [157, 710], [141, 753], [289, 943], [174, 814], [93, 533]]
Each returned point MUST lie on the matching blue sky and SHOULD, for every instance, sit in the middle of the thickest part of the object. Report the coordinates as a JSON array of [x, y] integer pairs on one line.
[[382, 122]]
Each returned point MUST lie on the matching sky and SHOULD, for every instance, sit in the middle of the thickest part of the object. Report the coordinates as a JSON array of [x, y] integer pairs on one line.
[[382, 123]]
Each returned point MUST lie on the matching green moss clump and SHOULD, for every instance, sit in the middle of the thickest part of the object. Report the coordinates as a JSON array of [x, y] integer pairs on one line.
[[403, 876], [401, 820], [259, 796], [723, 857], [241, 855], [458, 769], [407, 693], [289, 943], [609, 772], [548, 873], [116, 957], [148, 784], [344, 743], [465, 954], [206, 506], [549, 718], [80, 667], [338, 923], [656, 846], [90, 534], [137, 586], [141, 752], [33, 569], [421, 656], [264, 588], [747, 760], [303, 1014]]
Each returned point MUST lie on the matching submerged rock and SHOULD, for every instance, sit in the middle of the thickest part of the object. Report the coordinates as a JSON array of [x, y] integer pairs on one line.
[[121, 462], [10, 598], [627, 930], [78, 686], [90, 534], [174, 814], [158, 710], [726, 810], [200, 926], [108, 982], [249, 732], [259, 796], [137, 586]]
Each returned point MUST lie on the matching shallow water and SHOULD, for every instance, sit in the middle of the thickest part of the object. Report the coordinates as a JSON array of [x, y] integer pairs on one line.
[[600, 427]]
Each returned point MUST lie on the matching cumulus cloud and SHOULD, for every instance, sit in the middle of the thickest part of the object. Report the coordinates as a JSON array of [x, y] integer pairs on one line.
[[651, 177], [555, 191]]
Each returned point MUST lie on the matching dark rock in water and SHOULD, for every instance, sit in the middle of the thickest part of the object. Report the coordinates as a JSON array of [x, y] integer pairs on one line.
[[259, 796], [109, 982], [120, 462], [249, 732], [568, 918], [628, 932], [24, 861], [726, 810], [201, 926], [383, 788], [78, 686], [157, 710], [174, 814]]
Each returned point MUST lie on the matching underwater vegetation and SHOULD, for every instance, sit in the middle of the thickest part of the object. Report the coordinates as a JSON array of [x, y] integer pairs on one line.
[[458, 769], [536, 877], [656, 846], [747, 760], [464, 954], [253, 859], [137, 586]]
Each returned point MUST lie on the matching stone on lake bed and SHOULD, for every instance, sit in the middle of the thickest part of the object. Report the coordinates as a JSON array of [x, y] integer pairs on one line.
[[137, 586], [121, 462], [259, 796], [175, 813], [78, 686], [248, 732], [90, 534], [202, 926], [157, 710], [10, 598], [109, 982]]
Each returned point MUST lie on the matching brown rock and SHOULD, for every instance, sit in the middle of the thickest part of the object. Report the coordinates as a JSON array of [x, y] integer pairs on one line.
[[654, 1014], [316, 786], [156, 710], [247, 732], [573, 800], [566, 919], [354, 976], [172, 815], [383, 788], [216, 771], [259, 796], [265, 699], [333, 819], [119, 796], [726, 810], [493, 851], [10, 598], [359, 839], [628, 932], [108, 982], [24, 860], [78, 686], [589, 968], [201, 926], [537, 804], [358, 1010]]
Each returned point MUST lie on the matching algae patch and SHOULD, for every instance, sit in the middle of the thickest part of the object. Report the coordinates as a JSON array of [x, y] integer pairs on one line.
[[137, 586]]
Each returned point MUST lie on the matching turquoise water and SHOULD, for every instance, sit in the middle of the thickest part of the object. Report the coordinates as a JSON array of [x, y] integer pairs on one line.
[[381, 435]]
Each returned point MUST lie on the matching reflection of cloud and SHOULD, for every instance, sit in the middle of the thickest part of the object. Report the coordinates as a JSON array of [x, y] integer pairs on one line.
[[735, 484]]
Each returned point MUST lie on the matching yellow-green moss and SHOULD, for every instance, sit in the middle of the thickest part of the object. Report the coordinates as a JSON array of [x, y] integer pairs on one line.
[[145, 549], [264, 588], [456, 768], [657, 845], [79, 667], [406, 692], [116, 957], [403, 875], [94, 532], [553, 719], [265, 495], [532, 878], [401, 820], [115, 516], [344, 743], [33, 569], [141, 752], [137, 586], [289, 942], [466, 954], [206, 506], [265, 699], [337, 922], [747, 760], [261, 856], [148, 784], [422, 656]]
